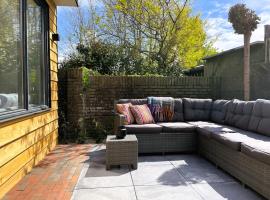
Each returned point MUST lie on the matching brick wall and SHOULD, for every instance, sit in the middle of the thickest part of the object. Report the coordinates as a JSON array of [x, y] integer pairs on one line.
[[103, 90]]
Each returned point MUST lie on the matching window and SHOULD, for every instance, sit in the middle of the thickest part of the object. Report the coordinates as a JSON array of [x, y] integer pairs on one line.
[[24, 61]]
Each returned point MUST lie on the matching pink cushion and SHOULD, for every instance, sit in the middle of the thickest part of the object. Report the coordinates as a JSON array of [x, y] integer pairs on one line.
[[124, 109], [142, 114]]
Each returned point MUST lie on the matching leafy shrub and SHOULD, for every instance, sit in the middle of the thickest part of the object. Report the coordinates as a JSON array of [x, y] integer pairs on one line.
[[109, 59], [99, 129]]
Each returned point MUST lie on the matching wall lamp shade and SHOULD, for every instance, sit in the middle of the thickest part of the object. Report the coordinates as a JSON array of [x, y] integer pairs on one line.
[[56, 37]]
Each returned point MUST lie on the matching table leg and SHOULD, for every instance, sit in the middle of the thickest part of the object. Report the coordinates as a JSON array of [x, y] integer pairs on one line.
[[134, 165]]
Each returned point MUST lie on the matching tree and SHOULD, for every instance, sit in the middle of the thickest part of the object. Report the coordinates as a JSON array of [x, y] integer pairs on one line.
[[139, 37], [244, 21], [165, 32]]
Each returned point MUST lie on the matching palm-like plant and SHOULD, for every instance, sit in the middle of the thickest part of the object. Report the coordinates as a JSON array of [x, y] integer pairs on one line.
[[244, 21]]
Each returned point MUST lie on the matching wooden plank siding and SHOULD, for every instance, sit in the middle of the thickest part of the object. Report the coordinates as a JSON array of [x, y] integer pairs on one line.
[[26, 141]]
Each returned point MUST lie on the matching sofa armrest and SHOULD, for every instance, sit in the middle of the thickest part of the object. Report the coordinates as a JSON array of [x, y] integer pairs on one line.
[[119, 120]]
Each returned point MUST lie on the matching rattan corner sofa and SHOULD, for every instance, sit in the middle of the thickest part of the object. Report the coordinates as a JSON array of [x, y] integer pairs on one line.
[[233, 134]]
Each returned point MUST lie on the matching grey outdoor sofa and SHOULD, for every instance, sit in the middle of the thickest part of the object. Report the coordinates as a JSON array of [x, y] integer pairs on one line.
[[233, 134]]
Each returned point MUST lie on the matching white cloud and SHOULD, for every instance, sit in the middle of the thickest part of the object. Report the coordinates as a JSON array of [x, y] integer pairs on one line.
[[220, 29], [226, 38], [257, 4]]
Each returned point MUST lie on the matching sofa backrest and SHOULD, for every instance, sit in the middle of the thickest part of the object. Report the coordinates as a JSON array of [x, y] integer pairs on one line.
[[239, 113], [178, 110], [260, 118], [178, 106], [218, 112], [133, 101], [197, 109]]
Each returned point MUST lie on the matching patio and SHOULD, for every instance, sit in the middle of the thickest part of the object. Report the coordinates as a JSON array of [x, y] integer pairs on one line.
[[173, 177], [54, 177], [134, 69], [68, 172]]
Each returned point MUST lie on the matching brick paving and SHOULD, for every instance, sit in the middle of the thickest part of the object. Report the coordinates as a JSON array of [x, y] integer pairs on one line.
[[54, 177]]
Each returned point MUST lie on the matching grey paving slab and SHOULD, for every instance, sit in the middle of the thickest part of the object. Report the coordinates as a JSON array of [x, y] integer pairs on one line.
[[197, 170], [225, 191], [97, 176], [187, 160], [173, 177], [206, 174], [153, 160], [115, 193], [161, 192], [157, 175]]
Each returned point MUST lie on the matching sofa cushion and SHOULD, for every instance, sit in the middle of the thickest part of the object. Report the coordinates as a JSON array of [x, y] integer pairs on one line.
[[239, 113], [219, 109], [243, 113], [178, 111], [258, 150], [145, 128], [133, 101], [197, 109], [142, 114], [175, 127], [208, 128], [260, 118], [125, 110], [230, 112], [228, 139], [235, 140]]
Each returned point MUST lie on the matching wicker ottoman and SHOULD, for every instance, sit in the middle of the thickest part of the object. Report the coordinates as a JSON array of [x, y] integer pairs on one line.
[[122, 151]]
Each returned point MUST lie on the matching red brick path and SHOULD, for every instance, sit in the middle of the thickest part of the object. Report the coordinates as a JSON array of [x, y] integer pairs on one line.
[[54, 177]]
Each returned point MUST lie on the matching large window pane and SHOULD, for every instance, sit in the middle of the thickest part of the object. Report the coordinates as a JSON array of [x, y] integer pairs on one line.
[[35, 55], [10, 56]]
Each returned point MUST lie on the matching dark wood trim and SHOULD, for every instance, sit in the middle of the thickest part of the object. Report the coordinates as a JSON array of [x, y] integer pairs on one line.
[[20, 116]]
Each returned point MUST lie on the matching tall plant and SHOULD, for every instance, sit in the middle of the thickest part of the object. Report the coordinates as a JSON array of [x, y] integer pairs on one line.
[[244, 21], [139, 37], [167, 33]]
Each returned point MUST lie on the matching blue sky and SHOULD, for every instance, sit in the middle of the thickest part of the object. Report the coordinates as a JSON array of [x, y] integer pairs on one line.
[[215, 12]]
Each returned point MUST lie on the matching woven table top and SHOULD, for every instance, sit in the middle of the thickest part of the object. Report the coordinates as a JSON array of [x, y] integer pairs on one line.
[[128, 138]]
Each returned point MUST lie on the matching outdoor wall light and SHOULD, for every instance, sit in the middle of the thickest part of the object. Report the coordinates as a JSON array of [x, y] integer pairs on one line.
[[56, 37]]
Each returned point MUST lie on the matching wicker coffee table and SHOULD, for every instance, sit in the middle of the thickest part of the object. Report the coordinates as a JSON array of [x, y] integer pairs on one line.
[[121, 151]]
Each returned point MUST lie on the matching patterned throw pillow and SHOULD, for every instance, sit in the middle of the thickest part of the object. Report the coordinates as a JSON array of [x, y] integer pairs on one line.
[[124, 109], [142, 114]]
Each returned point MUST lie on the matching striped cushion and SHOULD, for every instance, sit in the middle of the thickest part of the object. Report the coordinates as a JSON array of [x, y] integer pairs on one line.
[[142, 114], [124, 109]]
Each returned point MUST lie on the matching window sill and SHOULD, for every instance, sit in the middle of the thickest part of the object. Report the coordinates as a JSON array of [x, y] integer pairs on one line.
[[20, 116]]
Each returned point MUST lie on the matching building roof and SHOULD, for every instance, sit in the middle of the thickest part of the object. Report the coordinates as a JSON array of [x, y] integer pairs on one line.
[[66, 3], [232, 50], [196, 71]]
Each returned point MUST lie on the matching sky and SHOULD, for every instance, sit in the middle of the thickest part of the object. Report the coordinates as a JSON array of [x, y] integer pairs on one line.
[[215, 12]]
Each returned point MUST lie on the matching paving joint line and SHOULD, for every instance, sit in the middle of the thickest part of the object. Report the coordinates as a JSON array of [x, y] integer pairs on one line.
[[134, 188]]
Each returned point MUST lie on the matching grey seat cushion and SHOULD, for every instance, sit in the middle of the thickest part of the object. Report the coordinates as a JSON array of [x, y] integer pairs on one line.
[[145, 128], [259, 150], [239, 113], [208, 128], [260, 118], [177, 127], [228, 139], [197, 109], [219, 109], [133, 101], [235, 140], [178, 110]]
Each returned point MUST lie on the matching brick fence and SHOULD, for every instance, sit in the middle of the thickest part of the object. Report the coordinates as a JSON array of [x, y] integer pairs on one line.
[[101, 91]]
